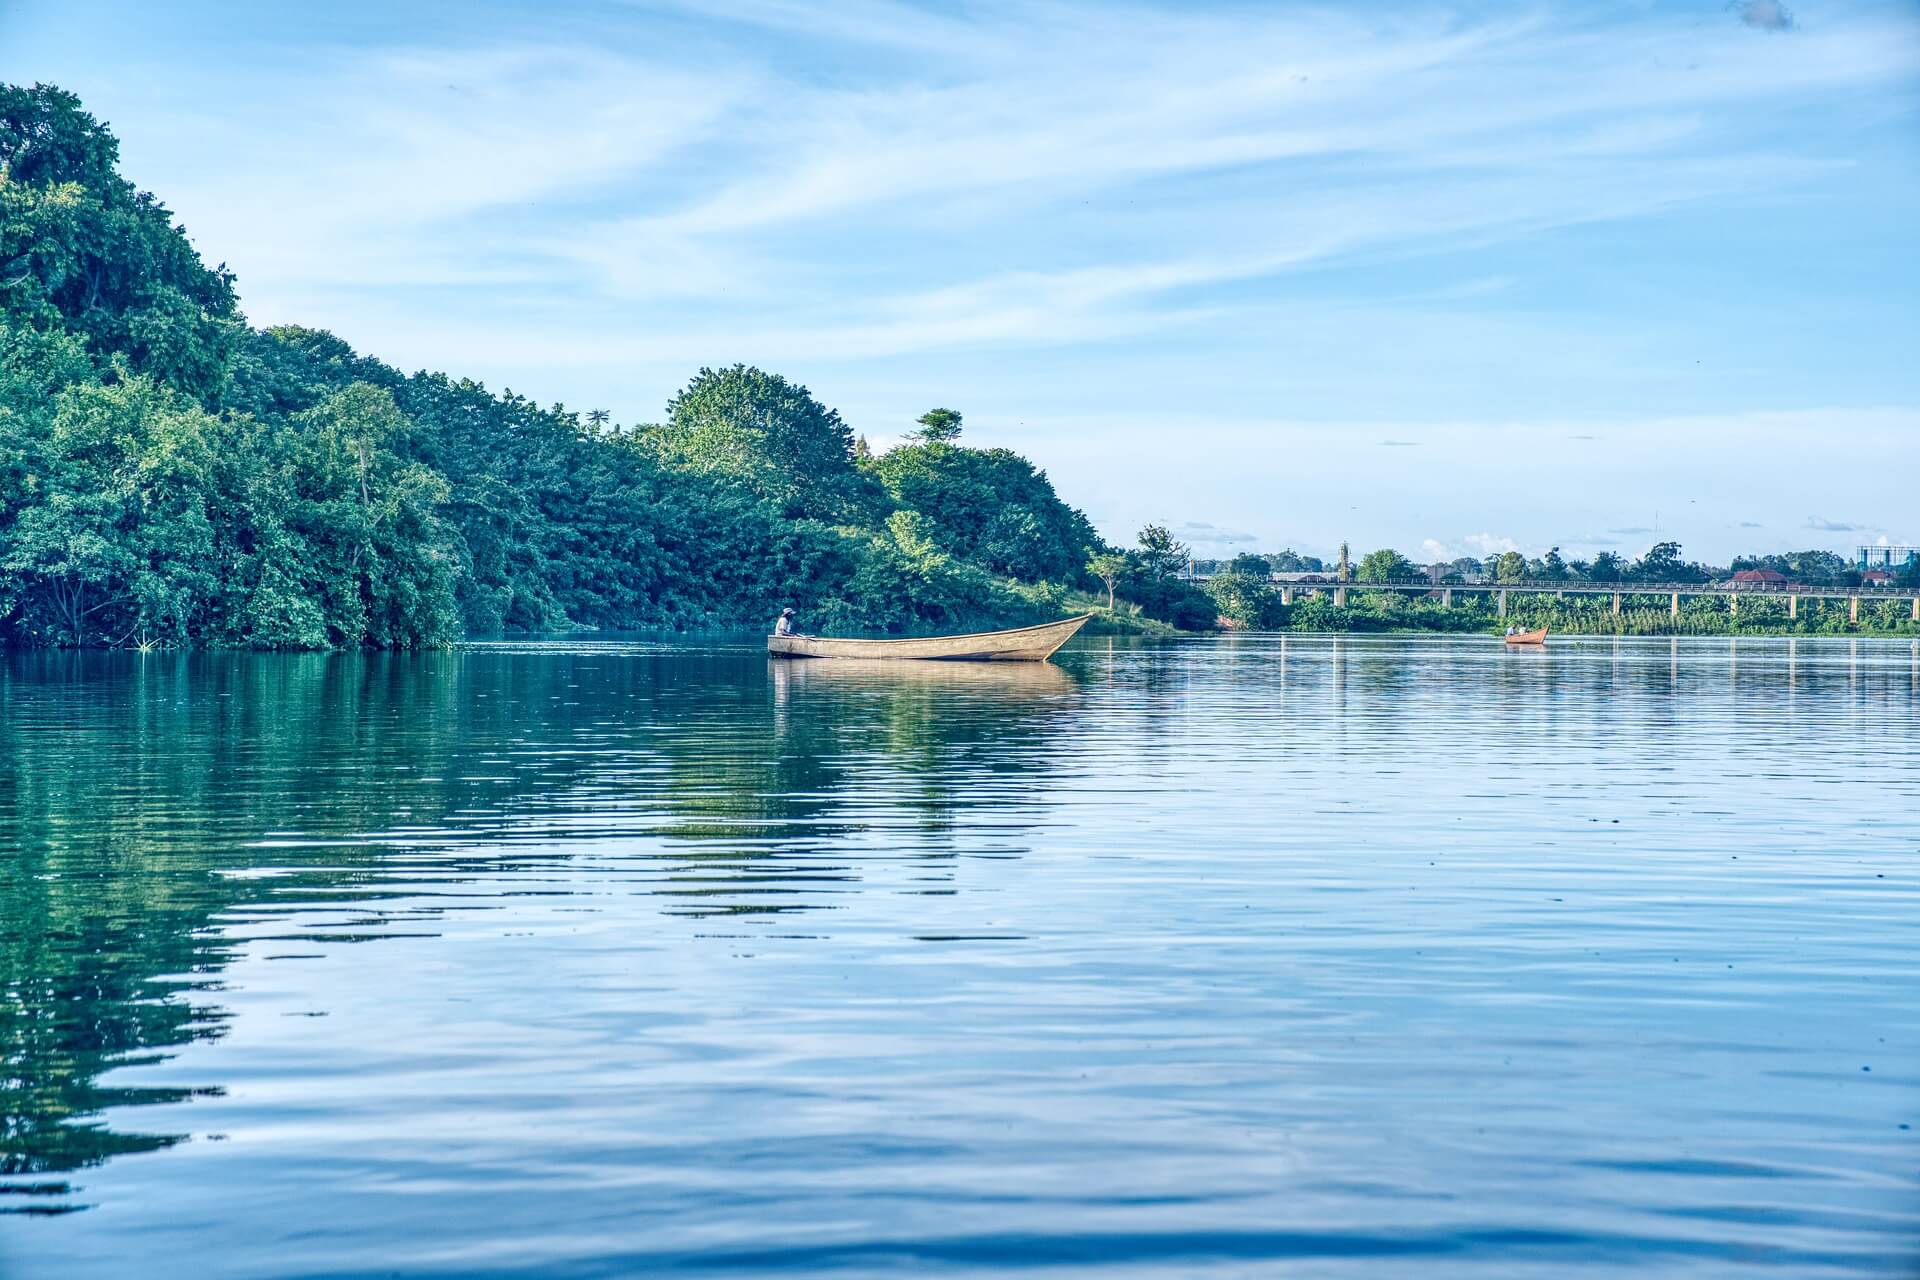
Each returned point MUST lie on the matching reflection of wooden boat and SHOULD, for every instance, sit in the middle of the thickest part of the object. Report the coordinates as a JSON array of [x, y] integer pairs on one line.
[[1528, 637], [962, 680], [1024, 644]]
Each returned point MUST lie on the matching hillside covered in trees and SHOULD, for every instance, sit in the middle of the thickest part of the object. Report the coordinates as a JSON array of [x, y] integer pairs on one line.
[[171, 476]]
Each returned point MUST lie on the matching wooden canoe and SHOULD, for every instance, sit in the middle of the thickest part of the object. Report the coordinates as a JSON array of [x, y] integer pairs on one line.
[[1024, 644], [1528, 637]]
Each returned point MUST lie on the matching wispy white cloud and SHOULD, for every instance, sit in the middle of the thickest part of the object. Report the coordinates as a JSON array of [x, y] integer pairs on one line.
[[423, 167], [1488, 544], [1206, 536], [864, 22], [1766, 15], [1166, 148]]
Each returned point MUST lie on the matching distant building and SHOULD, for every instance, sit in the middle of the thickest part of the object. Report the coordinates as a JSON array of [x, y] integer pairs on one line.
[[1876, 578], [1760, 579]]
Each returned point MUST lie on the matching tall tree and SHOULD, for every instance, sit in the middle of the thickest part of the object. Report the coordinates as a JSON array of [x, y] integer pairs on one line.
[[769, 434], [119, 545], [1107, 566], [1661, 563], [1385, 565], [991, 506], [80, 246], [1160, 554], [939, 426]]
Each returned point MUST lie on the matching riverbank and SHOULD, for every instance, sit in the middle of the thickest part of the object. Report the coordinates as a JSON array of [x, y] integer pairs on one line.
[[1386, 612]]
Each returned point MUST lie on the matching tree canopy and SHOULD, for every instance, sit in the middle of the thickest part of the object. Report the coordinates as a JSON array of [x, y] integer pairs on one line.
[[991, 506], [82, 249], [1384, 565], [939, 426], [770, 435]]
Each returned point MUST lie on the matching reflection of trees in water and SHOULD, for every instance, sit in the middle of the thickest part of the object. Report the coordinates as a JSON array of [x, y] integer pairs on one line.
[[1575, 685], [128, 787], [851, 756], [148, 803]]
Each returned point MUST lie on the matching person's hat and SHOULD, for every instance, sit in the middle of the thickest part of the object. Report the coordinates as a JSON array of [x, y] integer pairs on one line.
[[786, 613]]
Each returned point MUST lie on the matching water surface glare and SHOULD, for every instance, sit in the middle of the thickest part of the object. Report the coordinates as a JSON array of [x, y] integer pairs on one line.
[[1323, 957]]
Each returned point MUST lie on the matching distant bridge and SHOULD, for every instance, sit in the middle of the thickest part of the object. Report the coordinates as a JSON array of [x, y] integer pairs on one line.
[[1792, 594]]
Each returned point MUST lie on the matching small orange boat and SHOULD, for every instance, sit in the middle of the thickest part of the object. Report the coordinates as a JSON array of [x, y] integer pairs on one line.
[[1528, 637]]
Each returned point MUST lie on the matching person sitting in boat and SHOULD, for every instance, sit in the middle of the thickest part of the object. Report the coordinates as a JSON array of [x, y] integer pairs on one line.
[[1512, 631], [783, 626]]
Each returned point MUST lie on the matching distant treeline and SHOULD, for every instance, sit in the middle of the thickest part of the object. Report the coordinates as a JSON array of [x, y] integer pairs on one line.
[[1253, 604], [170, 476], [1662, 562], [1246, 598]]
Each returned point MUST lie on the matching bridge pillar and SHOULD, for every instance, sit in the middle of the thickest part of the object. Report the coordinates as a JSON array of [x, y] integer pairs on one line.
[[1916, 608], [1286, 595], [1675, 610], [1503, 602], [1616, 604], [1733, 605], [1853, 609], [1339, 597], [1793, 606], [1446, 600]]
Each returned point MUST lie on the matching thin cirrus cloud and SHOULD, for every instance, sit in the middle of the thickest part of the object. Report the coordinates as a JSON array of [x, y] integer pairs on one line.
[[1766, 15], [1205, 534], [1477, 545], [736, 167], [408, 165]]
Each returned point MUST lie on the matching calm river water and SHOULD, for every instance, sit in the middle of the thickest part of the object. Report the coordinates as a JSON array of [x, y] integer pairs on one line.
[[1315, 957]]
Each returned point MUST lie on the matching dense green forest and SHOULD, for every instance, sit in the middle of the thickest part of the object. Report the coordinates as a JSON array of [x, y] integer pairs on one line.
[[170, 476]]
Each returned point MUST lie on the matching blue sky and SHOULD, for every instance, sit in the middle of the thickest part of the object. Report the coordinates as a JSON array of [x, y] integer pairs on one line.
[[1452, 279]]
